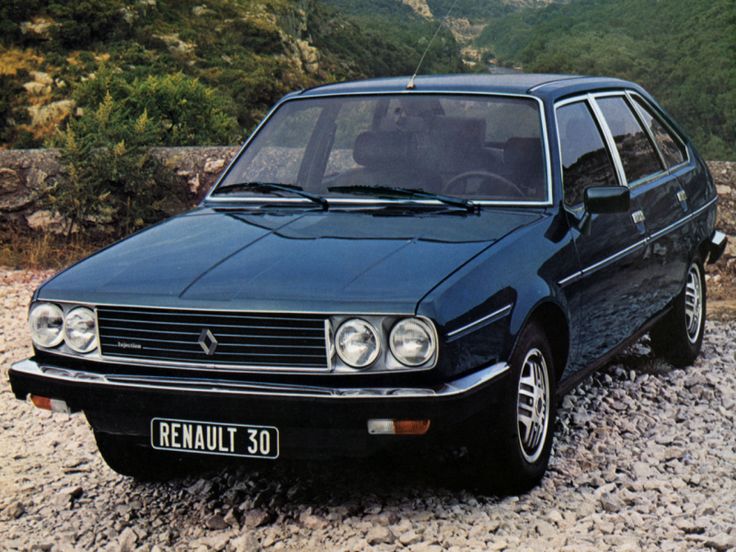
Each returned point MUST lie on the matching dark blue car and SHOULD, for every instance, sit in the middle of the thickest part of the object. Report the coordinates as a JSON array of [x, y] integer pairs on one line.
[[385, 264]]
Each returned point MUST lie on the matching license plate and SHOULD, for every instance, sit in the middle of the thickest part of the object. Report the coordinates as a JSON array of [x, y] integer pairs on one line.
[[249, 441]]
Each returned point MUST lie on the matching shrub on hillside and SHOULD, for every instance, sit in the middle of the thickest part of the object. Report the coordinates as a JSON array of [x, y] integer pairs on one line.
[[83, 22], [184, 111], [111, 177]]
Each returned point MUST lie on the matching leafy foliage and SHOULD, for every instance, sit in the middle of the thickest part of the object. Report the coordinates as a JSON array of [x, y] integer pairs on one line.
[[170, 53], [111, 173], [182, 110], [682, 52]]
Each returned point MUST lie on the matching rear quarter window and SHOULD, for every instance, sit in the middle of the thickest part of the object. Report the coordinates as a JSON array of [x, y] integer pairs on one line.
[[670, 146], [638, 156]]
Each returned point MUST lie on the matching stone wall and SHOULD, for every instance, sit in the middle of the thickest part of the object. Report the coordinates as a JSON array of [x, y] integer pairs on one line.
[[27, 175]]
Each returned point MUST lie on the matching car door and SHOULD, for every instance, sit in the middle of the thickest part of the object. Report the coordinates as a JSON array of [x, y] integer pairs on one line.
[[610, 252], [660, 196], [682, 193]]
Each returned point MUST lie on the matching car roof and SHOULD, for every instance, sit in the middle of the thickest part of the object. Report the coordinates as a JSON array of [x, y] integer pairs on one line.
[[538, 84]]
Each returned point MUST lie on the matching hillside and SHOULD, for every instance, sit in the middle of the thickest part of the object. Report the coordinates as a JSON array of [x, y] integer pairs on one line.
[[684, 52], [240, 55]]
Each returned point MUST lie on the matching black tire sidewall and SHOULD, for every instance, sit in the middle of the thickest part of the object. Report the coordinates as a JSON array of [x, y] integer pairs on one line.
[[499, 454], [669, 337], [695, 346]]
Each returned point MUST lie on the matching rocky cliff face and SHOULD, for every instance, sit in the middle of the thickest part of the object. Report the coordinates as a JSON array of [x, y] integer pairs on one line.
[[27, 176]]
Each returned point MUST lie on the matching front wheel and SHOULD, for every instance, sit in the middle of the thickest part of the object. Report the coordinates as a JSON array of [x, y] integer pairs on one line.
[[678, 337], [513, 449]]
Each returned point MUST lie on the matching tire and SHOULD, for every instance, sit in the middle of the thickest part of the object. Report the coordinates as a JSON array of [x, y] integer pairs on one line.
[[128, 457], [508, 459], [678, 337]]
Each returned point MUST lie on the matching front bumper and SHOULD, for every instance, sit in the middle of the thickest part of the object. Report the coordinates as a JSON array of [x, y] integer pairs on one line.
[[311, 420]]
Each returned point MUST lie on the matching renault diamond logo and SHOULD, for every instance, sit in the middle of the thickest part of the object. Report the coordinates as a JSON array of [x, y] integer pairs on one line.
[[208, 342]]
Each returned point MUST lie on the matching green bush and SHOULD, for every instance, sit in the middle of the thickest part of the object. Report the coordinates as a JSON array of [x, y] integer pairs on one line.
[[111, 177], [183, 111], [82, 22]]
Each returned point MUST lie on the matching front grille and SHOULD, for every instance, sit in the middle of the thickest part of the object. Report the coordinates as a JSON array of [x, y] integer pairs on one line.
[[253, 340]]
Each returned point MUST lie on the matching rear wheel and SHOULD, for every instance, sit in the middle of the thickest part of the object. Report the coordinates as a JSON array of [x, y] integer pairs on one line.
[[513, 450], [678, 337], [128, 457]]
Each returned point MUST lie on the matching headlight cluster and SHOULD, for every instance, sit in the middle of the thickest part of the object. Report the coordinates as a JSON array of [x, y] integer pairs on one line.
[[411, 341], [50, 326], [357, 343]]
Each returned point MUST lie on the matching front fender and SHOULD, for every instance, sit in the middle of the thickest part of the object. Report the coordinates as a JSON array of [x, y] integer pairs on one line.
[[480, 309]]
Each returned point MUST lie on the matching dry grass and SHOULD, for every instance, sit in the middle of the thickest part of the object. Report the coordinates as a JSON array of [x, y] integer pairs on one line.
[[44, 251]]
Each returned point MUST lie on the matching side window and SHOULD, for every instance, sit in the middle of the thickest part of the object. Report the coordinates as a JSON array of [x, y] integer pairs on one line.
[[671, 147], [637, 153], [586, 161]]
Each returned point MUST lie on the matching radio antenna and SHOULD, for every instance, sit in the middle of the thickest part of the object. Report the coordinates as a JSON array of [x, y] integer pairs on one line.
[[410, 85]]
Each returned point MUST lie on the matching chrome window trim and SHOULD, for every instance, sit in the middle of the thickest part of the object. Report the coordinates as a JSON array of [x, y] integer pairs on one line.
[[640, 119], [376, 201], [664, 170], [654, 237], [605, 134], [626, 93], [97, 356], [610, 140], [454, 388], [633, 94], [489, 319], [549, 201]]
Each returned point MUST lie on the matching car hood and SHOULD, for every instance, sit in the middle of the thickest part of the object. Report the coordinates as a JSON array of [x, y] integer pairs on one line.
[[378, 261]]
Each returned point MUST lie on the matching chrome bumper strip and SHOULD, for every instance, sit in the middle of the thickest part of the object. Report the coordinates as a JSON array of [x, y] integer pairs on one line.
[[488, 319], [630, 249], [459, 386]]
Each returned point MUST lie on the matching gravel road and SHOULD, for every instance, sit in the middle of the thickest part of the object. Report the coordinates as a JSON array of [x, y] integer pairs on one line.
[[645, 458]]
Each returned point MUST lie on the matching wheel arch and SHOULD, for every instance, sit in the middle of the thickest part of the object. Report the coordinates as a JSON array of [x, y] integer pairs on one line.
[[554, 322], [703, 251]]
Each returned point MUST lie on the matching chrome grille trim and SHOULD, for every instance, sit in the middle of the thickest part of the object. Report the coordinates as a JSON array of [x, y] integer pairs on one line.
[[246, 341]]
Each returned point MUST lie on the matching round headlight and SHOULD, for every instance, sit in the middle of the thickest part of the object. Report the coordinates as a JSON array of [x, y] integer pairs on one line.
[[357, 343], [47, 324], [80, 330], [412, 342]]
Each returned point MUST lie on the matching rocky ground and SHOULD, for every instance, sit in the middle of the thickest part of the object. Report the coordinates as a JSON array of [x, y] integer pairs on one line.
[[645, 458], [722, 277]]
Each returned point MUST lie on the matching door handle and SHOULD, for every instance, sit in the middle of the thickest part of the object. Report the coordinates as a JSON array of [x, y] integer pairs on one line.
[[639, 218], [682, 199]]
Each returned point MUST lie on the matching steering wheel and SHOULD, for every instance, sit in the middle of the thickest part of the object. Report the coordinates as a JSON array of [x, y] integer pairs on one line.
[[503, 181]]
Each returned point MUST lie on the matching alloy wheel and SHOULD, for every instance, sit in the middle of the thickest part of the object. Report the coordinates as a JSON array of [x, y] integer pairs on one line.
[[533, 403], [693, 303]]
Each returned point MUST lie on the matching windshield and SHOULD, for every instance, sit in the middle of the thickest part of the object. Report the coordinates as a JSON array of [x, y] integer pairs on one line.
[[469, 147]]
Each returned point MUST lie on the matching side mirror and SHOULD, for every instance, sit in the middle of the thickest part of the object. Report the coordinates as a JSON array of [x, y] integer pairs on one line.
[[607, 199], [603, 200]]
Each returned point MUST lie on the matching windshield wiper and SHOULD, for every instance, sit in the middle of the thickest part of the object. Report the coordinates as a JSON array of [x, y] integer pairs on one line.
[[273, 187], [407, 192]]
